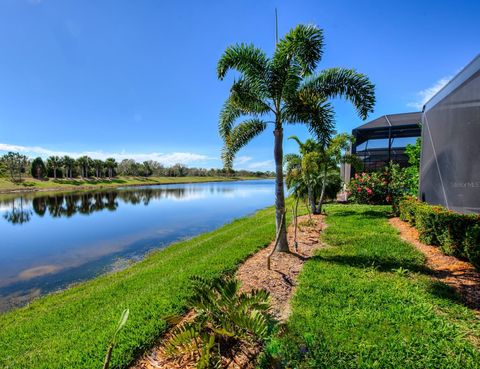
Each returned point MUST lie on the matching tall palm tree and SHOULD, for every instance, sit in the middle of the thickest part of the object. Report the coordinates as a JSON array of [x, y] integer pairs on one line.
[[98, 165], [68, 164], [54, 162], [284, 89], [84, 162], [111, 165]]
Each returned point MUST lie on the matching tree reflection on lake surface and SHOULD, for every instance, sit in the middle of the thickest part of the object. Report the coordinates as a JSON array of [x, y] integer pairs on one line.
[[52, 240]]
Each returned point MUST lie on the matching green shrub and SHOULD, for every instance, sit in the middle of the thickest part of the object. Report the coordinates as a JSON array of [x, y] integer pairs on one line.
[[456, 234], [472, 245], [426, 221], [406, 209]]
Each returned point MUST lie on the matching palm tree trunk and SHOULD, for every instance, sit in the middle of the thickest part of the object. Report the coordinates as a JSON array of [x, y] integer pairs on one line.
[[311, 200], [282, 245], [54, 173], [322, 194]]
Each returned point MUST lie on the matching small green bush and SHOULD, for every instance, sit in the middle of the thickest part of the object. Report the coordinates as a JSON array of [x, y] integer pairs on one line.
[[456, 234], [472, 245], [426, 221], [406, 209]]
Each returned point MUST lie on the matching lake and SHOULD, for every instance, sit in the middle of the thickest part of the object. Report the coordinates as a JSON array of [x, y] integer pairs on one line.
[[51, 240]]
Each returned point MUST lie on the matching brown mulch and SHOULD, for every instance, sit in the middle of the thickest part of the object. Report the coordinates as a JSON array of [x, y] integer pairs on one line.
[[253, 274], [280, 280], [459, 274]]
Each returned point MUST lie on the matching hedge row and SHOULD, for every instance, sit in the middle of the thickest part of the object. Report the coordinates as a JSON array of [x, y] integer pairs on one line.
[[456, 234]]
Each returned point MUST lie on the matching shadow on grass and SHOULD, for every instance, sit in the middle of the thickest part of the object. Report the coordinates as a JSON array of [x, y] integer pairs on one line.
[[445, 292], [381, 264], [391, 265], [370, 214]]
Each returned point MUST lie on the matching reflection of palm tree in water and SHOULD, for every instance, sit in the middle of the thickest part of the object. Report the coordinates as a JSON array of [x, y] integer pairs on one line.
[[18, 215]]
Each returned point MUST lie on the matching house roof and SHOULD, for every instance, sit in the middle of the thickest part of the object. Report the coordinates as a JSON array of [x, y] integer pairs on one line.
[[390, 125]]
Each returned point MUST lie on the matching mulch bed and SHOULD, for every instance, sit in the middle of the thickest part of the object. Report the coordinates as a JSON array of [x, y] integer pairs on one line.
[[280, 282], [460, 275]]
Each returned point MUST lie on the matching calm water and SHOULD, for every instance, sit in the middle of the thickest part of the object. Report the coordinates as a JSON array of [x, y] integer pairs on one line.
[[49, 241]]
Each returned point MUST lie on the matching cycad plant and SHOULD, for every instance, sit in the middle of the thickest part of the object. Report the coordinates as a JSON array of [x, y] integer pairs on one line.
[[224, 318], [284, 89]]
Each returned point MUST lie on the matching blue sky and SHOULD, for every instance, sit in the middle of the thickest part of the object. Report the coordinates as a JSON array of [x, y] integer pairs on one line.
[[136, 78]]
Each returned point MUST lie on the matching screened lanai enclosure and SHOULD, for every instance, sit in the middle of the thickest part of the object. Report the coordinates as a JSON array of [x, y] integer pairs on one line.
[[384, 139], [450, 162]]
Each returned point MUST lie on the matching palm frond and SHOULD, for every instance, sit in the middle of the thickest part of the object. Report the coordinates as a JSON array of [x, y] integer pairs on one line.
[[303, 46], [311, 109], [240, 136], [248, 98], [228, 115], [250, 61], [297, 140], [347, 83]]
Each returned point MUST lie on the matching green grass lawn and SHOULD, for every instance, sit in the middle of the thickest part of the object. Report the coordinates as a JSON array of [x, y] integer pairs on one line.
[[30, 184], [366, 302], [71, 329]]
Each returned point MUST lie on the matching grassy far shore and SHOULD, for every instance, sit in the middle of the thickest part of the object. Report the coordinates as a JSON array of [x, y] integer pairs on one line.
[[71, 329], [367, 302], [31, 184]]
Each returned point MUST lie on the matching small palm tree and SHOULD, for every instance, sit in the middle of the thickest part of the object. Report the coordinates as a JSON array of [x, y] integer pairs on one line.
[[302, 170], [284, 89]]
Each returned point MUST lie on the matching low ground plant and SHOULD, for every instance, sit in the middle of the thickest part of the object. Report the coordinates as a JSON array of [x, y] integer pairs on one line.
[[225, 319]]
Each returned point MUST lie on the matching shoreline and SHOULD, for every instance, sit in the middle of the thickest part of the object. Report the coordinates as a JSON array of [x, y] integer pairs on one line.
[[134, 183]]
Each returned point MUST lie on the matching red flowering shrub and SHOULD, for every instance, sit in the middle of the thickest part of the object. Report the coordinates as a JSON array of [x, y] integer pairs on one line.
[[376, 188], [368, 188]]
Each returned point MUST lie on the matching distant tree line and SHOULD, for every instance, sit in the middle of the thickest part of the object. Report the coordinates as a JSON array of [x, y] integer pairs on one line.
[[17, 166]]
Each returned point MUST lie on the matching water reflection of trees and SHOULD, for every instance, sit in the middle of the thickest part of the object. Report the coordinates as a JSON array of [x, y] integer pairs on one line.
[[69, 204], [18, 214]]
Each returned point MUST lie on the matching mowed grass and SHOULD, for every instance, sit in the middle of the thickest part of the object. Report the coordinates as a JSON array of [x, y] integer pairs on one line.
[[30, 184], [367, 302], [71, 329]]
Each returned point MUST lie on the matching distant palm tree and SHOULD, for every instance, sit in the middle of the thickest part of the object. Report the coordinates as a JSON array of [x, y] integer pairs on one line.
[[54, 162], [98, 165], [285, 89], [111, 165], [84, 163], [68, 164]]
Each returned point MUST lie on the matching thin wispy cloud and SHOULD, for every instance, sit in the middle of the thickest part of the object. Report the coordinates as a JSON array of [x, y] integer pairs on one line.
[[187, 158], [242, 160], [428, 93], [261, 165]]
